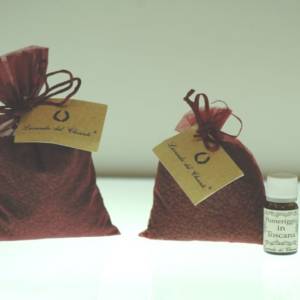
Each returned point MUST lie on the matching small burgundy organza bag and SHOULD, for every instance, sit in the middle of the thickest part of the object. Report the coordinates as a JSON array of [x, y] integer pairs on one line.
[[45, 190], [234, 213]]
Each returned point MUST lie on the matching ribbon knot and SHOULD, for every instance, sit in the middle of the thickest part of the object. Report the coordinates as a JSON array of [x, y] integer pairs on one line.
[[208, 128], [11, 113], [210, 121]]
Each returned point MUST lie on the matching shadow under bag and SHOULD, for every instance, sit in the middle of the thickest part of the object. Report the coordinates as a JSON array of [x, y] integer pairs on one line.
[[234, 213], [45, 190]]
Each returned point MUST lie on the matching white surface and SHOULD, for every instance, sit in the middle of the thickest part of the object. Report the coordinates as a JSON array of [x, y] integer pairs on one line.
[[129, 267], [141, 56]]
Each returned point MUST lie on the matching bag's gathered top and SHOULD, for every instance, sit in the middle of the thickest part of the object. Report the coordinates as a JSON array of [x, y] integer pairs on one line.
[[24, 85], [209, 120]]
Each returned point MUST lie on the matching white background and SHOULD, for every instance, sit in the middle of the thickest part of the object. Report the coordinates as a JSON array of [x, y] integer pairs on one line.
[[141, 56], [133, 268]]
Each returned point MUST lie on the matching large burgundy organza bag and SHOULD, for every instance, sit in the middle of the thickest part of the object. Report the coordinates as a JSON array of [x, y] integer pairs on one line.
[[234, 213], [45, 190]]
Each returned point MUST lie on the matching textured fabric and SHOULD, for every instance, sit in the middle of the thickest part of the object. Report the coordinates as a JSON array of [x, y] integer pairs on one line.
[[45, 190], [22, 76], [234, 213], [49, 191]]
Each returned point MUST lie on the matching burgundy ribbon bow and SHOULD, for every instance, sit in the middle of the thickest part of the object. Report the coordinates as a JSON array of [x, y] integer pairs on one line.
[[14, 112], [210, 121]]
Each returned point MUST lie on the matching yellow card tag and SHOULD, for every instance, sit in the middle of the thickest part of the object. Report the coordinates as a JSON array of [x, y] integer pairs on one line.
[[198, 171], [77, 124]]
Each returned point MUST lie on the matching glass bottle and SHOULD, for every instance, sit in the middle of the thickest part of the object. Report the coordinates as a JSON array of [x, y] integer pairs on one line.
[[281, 214]]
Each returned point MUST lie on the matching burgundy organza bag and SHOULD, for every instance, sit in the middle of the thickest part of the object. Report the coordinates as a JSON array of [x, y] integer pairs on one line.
[[234, 213], [45, 190]]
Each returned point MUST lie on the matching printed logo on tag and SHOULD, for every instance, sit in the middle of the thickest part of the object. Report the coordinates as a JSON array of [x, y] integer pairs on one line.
[[198, 171], [77, 124]]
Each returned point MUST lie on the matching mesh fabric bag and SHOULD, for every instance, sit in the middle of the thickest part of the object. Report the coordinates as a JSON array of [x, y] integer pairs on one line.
[[234, 213], [45, 190]]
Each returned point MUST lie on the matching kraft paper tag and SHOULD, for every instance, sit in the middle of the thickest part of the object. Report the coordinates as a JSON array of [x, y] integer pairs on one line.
[[198, 171], [77, 124]]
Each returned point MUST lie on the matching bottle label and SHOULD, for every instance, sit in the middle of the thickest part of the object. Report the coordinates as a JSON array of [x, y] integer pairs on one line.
[[280, 230]]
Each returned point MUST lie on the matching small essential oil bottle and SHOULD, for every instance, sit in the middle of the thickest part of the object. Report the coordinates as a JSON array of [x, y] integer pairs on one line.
[[281, 214]]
